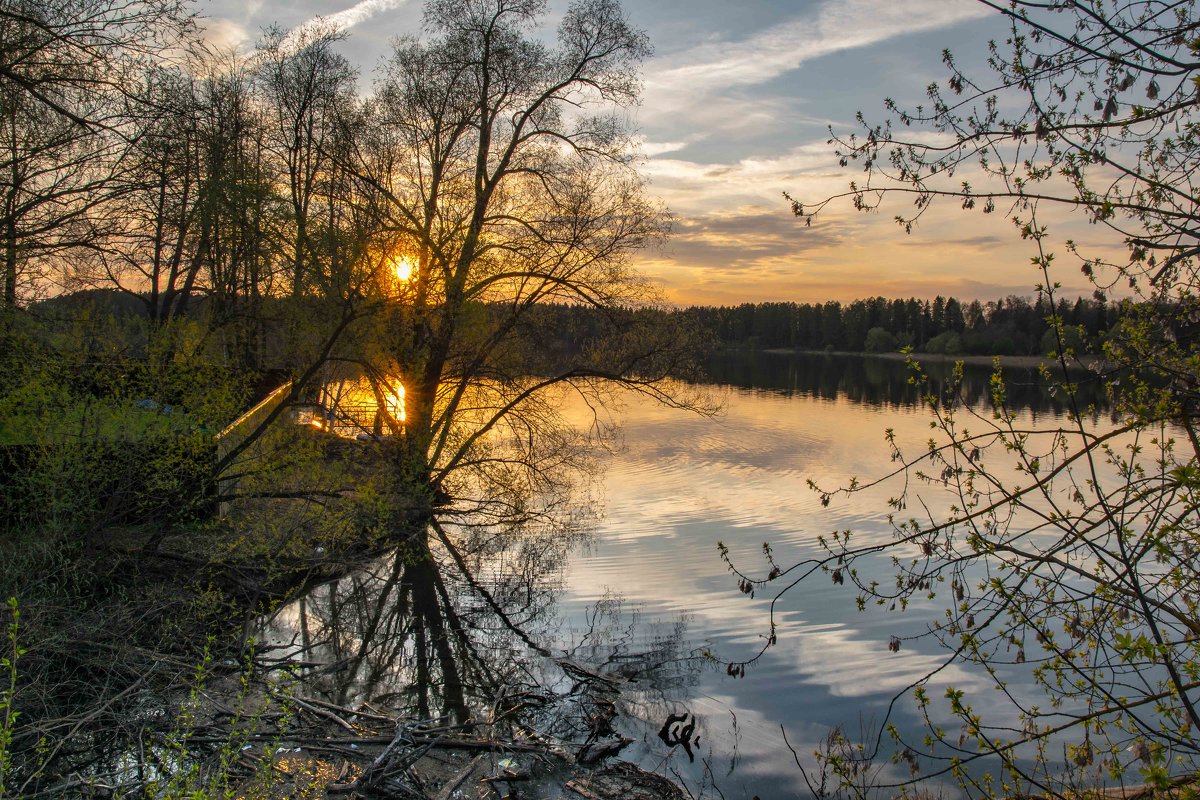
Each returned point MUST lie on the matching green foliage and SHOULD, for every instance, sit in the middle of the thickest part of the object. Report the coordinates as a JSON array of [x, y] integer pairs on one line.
[[8, 667], [110, 422], [946, 343], [879, 340], [78, 463], [1066, 339]]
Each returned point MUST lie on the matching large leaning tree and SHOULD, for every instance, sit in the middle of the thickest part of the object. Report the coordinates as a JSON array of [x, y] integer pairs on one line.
[[504, 167], [1074, 573]]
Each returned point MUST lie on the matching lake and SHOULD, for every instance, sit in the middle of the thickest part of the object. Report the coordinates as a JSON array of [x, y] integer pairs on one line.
[[683, 484], [636, 585]]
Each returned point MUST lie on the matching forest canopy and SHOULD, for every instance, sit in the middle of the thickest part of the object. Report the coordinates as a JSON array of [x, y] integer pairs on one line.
[[945, 326]]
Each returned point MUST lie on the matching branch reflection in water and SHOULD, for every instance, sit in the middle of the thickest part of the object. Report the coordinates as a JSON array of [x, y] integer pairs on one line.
[[459, 624]]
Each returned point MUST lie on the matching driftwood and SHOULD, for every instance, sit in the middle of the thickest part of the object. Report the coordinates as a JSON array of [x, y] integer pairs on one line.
[[451, 786], [363, 751], [578, 788], [347, 712], [597, 751], [383, 767], [324, 713]]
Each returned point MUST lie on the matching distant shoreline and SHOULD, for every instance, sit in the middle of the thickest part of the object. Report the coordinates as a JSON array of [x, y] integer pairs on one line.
[[1088, 363]]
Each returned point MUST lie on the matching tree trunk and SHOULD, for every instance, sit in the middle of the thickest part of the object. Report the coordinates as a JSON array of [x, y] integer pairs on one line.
[[10, 265], [427, 610]]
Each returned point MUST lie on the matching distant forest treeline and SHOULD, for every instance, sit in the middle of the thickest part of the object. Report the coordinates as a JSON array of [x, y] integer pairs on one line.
[[1012, 326]]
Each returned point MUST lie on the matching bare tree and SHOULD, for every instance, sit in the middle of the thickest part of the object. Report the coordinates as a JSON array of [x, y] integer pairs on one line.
[[506, 176], [59, 53], [73, 72], [53, 176], [149, 251], [308, 94]]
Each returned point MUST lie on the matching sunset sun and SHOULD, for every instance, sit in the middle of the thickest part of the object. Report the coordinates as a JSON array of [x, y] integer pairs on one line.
[[403, 268]]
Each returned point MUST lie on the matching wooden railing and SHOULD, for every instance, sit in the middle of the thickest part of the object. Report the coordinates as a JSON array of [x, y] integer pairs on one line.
[[236, 432]]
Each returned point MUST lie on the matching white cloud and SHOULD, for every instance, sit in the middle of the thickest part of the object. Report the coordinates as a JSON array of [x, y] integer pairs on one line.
[[225, 34], [362, 11], [348, 17], [718, 86], [651, 149], [838, 25], [694, 188]]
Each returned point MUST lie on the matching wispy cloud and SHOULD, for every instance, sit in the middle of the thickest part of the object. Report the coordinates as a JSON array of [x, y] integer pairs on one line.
[[835, 26], [694, 188], [652, 149], [346, 18], [362, 11], [733, 229], [747, 239]]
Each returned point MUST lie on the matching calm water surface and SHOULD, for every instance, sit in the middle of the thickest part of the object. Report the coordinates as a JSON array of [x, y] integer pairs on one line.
[[644, 584], [682, 484]]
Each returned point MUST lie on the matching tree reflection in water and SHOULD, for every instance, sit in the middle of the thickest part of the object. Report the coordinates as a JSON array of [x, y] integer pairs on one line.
[[459, 625], [884, 381]]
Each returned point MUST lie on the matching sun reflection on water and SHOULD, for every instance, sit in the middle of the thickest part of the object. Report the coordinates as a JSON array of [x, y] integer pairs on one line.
[[394, 402], [359, 407]]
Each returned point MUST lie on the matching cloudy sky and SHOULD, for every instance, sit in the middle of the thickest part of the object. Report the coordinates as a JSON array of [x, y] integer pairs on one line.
[[738, 101]]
